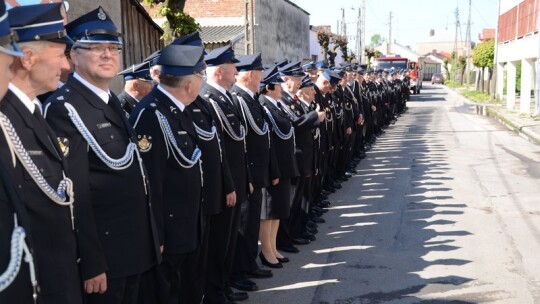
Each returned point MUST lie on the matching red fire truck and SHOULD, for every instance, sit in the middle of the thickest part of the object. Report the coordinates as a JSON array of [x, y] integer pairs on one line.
[[401, 63]]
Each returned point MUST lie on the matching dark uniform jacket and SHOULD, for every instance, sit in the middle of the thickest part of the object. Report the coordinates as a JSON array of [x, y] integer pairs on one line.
[[304, 121], [217, 176], [260, 151], [20, 290], [176, 190], [117, 234], [236, 150], [49, 223], [127, 101], [285, 150]]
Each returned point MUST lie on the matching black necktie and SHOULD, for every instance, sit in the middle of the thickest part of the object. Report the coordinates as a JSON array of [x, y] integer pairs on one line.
[[43, 124]]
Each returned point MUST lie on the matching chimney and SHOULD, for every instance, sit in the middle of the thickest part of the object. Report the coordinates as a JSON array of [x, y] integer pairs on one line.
[[431, 33]]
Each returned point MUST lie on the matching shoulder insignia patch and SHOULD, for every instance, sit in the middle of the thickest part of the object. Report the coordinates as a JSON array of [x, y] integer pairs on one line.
[[63, 142], [61, 97], [144, 142]]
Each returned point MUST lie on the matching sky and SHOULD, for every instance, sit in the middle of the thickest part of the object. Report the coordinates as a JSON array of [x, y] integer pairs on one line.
[[412, 19]]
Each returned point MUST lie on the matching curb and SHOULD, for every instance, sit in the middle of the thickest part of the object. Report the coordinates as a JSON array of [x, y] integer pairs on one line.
[[524, 131]]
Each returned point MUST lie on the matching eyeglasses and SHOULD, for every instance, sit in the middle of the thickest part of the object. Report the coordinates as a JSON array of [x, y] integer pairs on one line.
[[101, 49]]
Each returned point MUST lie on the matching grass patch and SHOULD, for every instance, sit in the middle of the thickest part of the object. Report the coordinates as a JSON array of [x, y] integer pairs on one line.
[[452, 84], [476, 96]]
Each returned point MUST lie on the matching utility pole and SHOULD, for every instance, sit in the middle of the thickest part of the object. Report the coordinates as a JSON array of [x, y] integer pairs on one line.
[[467, 48], [454, 64], [249, 46], [343, 23], [389, 45], [363, 34], [359, 36]]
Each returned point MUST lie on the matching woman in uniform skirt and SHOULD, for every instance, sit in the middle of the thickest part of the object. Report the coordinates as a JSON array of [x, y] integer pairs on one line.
[[276, 198]]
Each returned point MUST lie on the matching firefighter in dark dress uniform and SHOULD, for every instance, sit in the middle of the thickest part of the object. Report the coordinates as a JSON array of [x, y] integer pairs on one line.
[[20, 283], [138, 84], [263, 171], [172, 158], [39, 169], [117, 233], [231, 128]]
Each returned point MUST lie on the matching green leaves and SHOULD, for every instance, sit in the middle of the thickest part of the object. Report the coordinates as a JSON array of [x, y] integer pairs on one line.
[[484, 54]]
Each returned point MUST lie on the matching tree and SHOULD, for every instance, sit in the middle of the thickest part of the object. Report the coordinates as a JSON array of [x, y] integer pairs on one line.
[[323, 37], [376, 40], [178, 23], [446, 69], [483, 58], [342, 42], [371, 53]]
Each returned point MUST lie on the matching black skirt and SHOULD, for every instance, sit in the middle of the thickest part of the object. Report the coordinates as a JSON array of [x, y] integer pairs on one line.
[[276, 202]]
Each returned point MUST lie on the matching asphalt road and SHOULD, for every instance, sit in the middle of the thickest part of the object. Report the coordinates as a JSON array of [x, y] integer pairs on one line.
[[444, 209]]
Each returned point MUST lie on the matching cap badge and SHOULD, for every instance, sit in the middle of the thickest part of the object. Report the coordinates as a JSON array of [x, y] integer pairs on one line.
[[101, 14]]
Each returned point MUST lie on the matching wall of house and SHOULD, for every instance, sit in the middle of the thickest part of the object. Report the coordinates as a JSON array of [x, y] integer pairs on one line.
[[217, 12], [281, 30]]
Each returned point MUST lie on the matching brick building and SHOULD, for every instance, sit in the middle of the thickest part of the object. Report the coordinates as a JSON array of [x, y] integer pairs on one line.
[[280, 27]]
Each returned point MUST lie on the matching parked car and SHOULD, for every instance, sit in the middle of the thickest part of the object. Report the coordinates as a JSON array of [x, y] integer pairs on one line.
[[437, 78]]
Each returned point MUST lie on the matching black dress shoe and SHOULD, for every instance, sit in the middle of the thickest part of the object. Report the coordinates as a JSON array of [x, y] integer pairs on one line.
[[312, 230], [308, 236], [237, 296], [289, 248], [317, 219], [311, 224], [260, 274], [265, 262], [283, 260], [337, 185], [316, 209], [323, 204], [245, 285], [300, 241]]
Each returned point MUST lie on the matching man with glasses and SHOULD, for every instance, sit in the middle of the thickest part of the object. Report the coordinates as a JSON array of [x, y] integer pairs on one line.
[[117, 236], [172, 157], [32, 153]]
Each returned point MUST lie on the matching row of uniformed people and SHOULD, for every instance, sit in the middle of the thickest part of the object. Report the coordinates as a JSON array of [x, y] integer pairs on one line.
[[169, 205]]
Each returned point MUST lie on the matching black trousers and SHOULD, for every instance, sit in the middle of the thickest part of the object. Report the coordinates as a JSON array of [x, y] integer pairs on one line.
[[123, 290], [222, 243], [247, 246]]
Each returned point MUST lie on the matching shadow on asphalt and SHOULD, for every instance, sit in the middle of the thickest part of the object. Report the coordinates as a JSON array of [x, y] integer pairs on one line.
[[381, 232], [414, 213]]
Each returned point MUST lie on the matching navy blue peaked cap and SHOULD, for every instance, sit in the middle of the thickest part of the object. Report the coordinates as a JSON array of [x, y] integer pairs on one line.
[[321, 65], [271, 75], [181, 60], [332, 77], [306, 82], [220, 55], [249, 63], [137, 71], [193, 39], [8, 39], [94, 27], [309, 66], [39, 22], [153, 58], [292, 69], [281, 62]]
